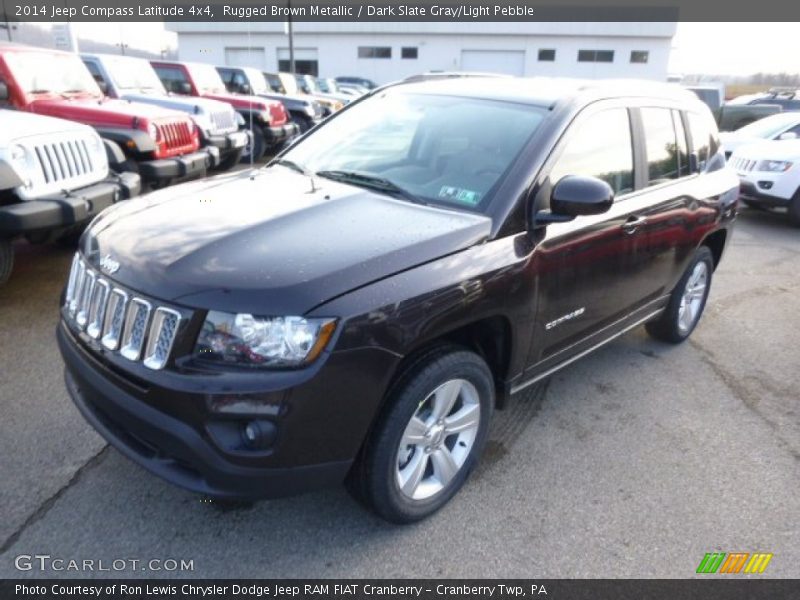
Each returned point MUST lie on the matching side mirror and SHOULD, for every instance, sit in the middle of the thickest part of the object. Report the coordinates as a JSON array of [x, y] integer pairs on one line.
[[3, 91], [575, 195], [788, 135], [184, 88]]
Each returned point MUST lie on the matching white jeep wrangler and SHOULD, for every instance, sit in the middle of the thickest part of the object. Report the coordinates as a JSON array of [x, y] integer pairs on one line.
[[54, 178]]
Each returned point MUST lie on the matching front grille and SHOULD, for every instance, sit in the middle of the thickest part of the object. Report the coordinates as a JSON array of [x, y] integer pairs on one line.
[[743, 164], [176, 134], [121, 321], [60, 161], [224, 121]]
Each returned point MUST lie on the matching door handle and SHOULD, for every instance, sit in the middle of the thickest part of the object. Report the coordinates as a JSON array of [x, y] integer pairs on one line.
[[632, 224]]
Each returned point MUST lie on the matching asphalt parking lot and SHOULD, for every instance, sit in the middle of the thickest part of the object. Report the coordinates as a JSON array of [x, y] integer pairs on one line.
[[633, 462]]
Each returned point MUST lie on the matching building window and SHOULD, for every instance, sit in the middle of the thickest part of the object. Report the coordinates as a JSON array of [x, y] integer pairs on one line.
[[595, 56], [374, 52], [547, 55], [639, 56], [408, 52]]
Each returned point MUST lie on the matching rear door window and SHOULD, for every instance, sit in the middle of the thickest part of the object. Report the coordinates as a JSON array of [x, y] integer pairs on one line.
[[662, 145]]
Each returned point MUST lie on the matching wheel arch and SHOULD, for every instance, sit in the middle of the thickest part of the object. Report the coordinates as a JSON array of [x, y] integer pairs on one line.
[[715, 242]]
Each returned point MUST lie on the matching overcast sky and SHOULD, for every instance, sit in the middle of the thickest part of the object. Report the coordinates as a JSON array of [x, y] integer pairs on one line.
[[706, 48]]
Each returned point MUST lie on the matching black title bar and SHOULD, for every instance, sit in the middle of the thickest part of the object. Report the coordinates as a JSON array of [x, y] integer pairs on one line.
[[403, 11], [734, 588]]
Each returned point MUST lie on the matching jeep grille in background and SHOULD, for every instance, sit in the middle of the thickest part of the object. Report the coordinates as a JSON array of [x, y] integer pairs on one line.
[[224, 121], [176, 134], [63, 160], [121, 321]]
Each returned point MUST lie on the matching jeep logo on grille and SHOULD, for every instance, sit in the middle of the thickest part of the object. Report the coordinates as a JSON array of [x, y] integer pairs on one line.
[[109, 265]]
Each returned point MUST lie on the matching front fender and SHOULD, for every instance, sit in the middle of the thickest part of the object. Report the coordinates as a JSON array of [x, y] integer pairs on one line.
[[129, 139], [9, 178]]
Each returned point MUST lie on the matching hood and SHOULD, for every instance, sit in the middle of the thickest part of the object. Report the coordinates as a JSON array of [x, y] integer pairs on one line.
[[239, 100], [17, 125], [187, 104], [269, 244], [101, 112], [732, 141], [289, 100], [770, 150]]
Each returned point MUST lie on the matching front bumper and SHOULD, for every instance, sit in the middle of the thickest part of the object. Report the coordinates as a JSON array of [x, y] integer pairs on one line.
[[66, 208], [275, 136], [230, 142], [749, 193], [163, 420], [188, 166]]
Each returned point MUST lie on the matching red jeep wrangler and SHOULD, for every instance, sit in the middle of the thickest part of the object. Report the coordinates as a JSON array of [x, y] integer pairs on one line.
[[271, 125], [162, 145]]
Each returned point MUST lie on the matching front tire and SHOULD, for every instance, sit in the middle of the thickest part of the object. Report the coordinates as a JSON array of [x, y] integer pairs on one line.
[[6, 260], [687, 301], [429, 437], [257, 147], [794, 209]]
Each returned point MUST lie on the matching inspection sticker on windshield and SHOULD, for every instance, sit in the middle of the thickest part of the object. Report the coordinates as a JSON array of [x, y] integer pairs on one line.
[[459, 195]]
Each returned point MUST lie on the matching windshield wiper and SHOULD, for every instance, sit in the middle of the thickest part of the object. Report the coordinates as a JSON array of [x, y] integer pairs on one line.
[[285, 162], [374, 182]]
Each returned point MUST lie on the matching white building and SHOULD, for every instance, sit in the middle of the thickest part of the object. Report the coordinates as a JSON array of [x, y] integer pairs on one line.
[[388, 51]]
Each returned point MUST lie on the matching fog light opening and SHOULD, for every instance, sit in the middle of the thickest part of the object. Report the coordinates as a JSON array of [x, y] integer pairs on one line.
[[257, 435]]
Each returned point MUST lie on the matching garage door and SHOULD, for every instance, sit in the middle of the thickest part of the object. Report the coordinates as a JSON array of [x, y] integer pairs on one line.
[[509, 62], [245, 57]]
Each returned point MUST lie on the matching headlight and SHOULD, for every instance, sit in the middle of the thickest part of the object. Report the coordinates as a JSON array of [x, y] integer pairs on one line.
[[19, 157], [152, 131], [246, 340], [774, 166]]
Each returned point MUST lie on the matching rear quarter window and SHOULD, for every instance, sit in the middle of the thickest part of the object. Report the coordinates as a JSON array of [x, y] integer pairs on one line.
[[705, 139]]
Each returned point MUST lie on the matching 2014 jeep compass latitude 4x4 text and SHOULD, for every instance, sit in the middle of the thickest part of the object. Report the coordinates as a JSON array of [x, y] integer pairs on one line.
[[358, 308]]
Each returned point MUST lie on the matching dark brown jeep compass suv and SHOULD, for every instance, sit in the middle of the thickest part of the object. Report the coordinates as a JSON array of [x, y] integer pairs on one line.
[[357, 309]]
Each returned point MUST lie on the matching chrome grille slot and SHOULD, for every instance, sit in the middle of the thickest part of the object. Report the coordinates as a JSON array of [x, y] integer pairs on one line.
[[86, 295], [97, 308], [121, 323], [80, 272], [115, 317], [71, 283], [161, 337], [136, 318]]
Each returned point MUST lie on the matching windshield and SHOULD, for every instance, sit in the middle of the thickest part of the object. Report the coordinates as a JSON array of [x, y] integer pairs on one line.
[[257, 81], [206, 78], [443, 150], [132, 73], [39, 72], [770, 126], [275, 83], [328, 86]]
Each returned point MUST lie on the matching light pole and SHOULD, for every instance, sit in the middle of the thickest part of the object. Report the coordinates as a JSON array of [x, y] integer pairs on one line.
[[291, 37]]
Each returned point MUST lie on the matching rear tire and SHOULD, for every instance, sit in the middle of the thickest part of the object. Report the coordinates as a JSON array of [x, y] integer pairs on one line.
[[687, 301], [6, 260], [429, 437]]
